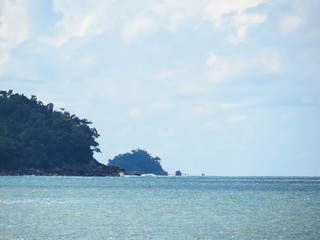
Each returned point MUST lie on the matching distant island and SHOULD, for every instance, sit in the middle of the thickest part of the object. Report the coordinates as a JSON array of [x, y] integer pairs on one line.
[[35, 139], [138, 161]]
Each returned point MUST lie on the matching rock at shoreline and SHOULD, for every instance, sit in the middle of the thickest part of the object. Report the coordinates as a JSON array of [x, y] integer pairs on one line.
[[134, 173], [95, 169]]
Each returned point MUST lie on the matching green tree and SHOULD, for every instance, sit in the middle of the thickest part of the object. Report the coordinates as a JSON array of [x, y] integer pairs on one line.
[[37, 136]]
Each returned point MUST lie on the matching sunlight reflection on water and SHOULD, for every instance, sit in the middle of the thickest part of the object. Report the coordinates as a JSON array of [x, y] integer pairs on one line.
[[159, 208]]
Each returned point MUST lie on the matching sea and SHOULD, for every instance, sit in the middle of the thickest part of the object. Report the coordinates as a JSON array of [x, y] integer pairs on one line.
[[191, 207]]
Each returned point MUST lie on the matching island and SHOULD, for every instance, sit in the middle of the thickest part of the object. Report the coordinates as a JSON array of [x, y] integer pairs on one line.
[[138, 161], [36, 139]]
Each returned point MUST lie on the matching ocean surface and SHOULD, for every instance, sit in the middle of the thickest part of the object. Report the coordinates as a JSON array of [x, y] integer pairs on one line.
[[159, 207]]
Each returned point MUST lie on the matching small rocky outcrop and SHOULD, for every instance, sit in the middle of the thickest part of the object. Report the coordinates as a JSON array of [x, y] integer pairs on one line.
[[134, 173]]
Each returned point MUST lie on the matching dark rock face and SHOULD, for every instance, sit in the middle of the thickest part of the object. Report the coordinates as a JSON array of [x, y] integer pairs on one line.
[[178, 173], [99, 169], [94, 169]]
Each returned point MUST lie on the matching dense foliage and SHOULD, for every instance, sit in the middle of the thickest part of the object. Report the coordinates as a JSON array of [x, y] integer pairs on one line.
[[140, 161], [33, 135]]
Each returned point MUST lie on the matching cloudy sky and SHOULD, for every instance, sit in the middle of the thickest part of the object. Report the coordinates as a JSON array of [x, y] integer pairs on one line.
[[223, 87]]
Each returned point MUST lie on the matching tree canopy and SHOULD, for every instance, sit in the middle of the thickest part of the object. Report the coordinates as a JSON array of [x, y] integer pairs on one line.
[[34, 135], [138, 160]]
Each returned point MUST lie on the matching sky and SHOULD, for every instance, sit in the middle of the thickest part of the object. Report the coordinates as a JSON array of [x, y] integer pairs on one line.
[[221, 87]]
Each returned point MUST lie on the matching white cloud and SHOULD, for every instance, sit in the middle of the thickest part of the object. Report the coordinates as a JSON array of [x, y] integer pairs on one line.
[[216, 9], [231, 13], [175, 12], [289, 23], [135, 113], [79, 20], [85, 24], [14, 22], [14, 28], [244, 21], [134, 28], [224, 14], [190, 6], [97, 17], [220, 69]]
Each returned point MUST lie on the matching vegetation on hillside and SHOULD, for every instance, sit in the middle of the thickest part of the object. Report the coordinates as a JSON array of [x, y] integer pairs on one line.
[[138, 160], [34, 135]]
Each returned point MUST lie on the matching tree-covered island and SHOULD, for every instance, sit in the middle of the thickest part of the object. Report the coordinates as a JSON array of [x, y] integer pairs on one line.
[[139, 161], [36, 139]]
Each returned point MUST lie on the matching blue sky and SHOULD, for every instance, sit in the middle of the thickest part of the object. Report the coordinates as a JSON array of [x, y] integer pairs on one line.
[[222, 87]]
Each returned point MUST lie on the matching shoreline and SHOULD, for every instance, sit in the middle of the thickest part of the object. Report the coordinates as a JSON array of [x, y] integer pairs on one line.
[[93, 170]]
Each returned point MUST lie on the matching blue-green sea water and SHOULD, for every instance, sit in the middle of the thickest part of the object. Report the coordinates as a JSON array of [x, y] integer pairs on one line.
[[159, 208]]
